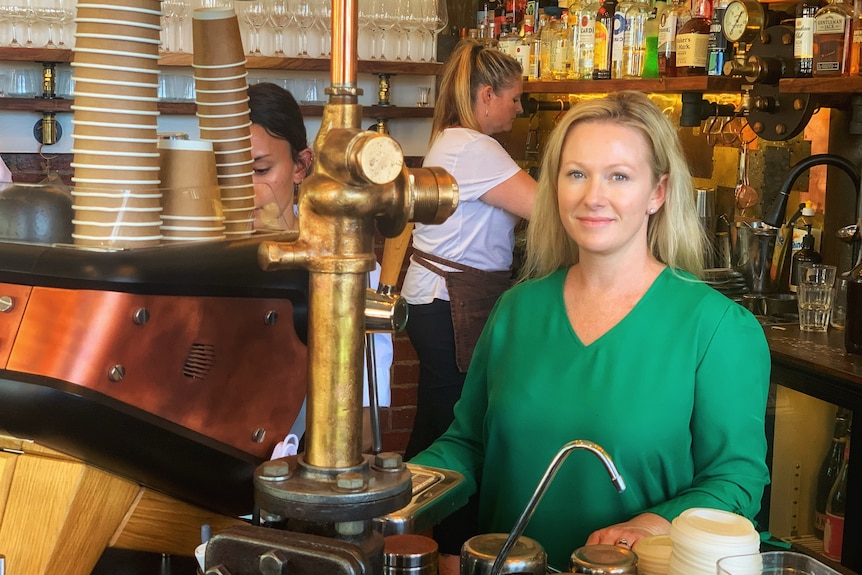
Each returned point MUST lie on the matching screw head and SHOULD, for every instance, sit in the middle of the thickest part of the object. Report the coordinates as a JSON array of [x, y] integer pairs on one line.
[[387, 460], [350, 481], [275, 470], [117, 373]]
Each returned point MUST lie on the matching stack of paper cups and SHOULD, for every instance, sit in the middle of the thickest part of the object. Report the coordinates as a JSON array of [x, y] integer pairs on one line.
[[191, 201], [700, 537], [221, 94], [653, 554], [115, 115]]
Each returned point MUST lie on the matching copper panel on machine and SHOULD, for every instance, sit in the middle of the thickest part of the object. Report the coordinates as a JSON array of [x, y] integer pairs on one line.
[[10, 318], [218, 366]]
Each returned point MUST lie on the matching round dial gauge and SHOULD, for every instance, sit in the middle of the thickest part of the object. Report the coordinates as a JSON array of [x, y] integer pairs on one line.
[[743, 20]]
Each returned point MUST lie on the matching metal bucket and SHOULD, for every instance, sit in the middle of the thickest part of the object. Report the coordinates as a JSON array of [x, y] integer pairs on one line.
[[753, 247]]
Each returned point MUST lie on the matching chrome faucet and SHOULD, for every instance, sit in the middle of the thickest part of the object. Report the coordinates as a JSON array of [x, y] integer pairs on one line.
[[521, 524]]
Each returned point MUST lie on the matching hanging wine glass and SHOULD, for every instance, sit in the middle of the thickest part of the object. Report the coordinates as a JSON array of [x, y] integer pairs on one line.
[[51, 13], [279, 16], [367, 24], [10, 14], [323, 21], [440, 22], [386, 21], [303, 14], [254, 14]]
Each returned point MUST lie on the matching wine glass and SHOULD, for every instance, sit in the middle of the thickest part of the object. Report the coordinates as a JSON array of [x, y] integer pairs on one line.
[[254, 14], [279, 15], [441, 20], [385, 20], [407, 22], [68, 8], [367, 24], [303, 14], [323, 21], [51, 13]]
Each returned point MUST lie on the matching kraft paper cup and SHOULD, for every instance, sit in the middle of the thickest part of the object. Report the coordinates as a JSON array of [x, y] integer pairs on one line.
[[187, 164], [113, 85], [150, 106], [146, 6], [114, 229], [127, 73], [142, 133], [109, 158], [123, 60], [86, 144], [210, 77], [225, 124], [115, 243], [97, 25], [216, 37], [101, 214], [191, 231], [182, 240], [115, 42], [132, 11], [119, 116], [195, 202], [111, 199], [99, 121], [228, 81]]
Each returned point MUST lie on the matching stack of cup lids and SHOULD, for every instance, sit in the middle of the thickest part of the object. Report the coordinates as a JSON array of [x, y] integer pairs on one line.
[[115, 114], [700, 537], [221, 94], [191, 200], [653, 554]]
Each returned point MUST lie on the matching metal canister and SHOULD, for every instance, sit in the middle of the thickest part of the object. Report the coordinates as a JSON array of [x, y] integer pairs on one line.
[[479, 553], [409, 555], [603, 560]]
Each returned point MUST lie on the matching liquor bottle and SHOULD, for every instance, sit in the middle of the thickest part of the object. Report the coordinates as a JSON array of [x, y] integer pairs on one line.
[[619, 37], [829, 468], [536, 45], [604, 46], [587, 39], [650, 69], [523, 51], [547, 49], [803, 42], [832, 40], [833, 529], [692, 41], [856, 40], [719, 49], [508, 41], [670, 21], [635, 41], [574, 28]]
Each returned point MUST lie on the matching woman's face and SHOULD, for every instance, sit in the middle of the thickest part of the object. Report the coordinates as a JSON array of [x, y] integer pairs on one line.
[[494, 111], [275, 173], [605, 187]]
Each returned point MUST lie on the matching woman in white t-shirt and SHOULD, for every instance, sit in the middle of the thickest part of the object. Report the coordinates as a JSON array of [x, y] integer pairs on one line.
[[480, 95]]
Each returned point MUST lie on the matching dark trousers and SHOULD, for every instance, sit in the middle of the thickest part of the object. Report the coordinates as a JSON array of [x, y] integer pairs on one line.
[[440, 382]]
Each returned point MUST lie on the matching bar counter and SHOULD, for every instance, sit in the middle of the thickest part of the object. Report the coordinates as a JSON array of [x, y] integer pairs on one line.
[[817, 365]]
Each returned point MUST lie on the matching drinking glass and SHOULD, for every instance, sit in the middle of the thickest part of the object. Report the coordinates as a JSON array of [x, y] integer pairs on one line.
[[323, 21], [68, 9], [280, 16], [386, 20], [51, 13], [255, 15], [407, 22], [814, 294], [367, 24], [303, 15], [13, 15], [772, 563]]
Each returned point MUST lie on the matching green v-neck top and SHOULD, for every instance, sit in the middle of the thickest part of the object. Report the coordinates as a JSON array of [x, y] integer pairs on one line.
[[675, 392]]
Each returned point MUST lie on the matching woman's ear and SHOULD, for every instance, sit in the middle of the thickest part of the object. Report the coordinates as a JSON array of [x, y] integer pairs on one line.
[[303, 165], [659, 194]]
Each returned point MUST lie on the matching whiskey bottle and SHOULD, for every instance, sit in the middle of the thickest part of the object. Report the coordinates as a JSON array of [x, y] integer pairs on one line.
[[803, 42], [833, 529], [832, 40], [829, 468], [856, 40], [604, 44], [719, 50], [692, 42], [587, 39], [670, 21]]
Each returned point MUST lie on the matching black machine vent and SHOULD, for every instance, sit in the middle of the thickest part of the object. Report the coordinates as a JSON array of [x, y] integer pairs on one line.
[[199, 360]]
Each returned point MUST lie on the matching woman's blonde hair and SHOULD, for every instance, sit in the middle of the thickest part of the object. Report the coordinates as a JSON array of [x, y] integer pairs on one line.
[[674, 234], [470, 67]]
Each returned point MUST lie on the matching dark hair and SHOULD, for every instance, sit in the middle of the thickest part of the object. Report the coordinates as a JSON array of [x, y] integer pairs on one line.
[[276, 110]]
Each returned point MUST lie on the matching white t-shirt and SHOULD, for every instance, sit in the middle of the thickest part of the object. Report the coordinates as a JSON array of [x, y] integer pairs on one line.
[[477, 234]]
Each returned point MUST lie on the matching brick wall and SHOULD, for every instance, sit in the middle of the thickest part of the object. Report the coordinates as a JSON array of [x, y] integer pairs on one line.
[[395, 422]]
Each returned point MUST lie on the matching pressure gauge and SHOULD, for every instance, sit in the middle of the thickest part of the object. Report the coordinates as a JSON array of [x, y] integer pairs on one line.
[[743, 20]]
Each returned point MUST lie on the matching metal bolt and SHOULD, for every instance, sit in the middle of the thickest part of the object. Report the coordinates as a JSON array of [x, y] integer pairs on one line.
[[350, 481], [387, 460], [273, 562], [141, 316], [757, 127], [6, 303], [275, 470], [798, 104], [271, 317], [258, 435], [787, 39], [117, 373], [780, 129]]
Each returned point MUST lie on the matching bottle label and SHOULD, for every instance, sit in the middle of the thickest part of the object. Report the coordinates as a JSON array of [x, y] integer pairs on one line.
[[522, 55], [803, 41], [830, 23], [691, 50], [833, 536], [667, 31]]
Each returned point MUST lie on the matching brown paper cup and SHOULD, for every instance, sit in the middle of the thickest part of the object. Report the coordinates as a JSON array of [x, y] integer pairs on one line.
[[116, 103], [128, 145], [117, 118], [210, 76], [187, 164], [222, 96], [83, 128], [114, 41], [108, 71], [106, 57], [115, 243], [101, 25], [216, 36], [192, 202], [101, 214], [116, 198], [221, 83]]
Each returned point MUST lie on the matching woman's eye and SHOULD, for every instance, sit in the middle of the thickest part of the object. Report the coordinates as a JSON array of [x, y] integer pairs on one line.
[[619, 177], [261, 171], [576, 175]]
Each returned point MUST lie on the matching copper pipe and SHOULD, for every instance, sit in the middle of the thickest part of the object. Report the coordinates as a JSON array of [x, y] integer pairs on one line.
[[345, 17]]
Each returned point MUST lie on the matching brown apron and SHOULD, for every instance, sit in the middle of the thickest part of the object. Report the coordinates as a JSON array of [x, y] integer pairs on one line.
[[472, 295]]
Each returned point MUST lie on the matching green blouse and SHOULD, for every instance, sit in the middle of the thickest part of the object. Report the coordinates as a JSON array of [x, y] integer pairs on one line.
[[675, 392]]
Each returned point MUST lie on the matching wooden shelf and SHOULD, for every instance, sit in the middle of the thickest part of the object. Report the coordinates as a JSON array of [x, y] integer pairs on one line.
[[189, 108], [252, 63], [688, 84], [839, 85]]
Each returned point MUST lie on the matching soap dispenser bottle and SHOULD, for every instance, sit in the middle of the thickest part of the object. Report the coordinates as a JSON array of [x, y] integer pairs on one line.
[[806, 254]]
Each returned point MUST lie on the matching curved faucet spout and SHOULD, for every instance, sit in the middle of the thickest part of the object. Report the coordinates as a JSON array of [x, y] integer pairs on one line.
[[774, 216], [561, 455]]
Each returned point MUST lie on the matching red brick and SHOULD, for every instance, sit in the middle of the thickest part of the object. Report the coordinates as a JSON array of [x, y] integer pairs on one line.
[[404, 396], [402, 418], [405, 374], [396, 441]]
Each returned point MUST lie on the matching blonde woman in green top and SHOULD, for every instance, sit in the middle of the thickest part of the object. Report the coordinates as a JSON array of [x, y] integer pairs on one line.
[[612, 338]]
